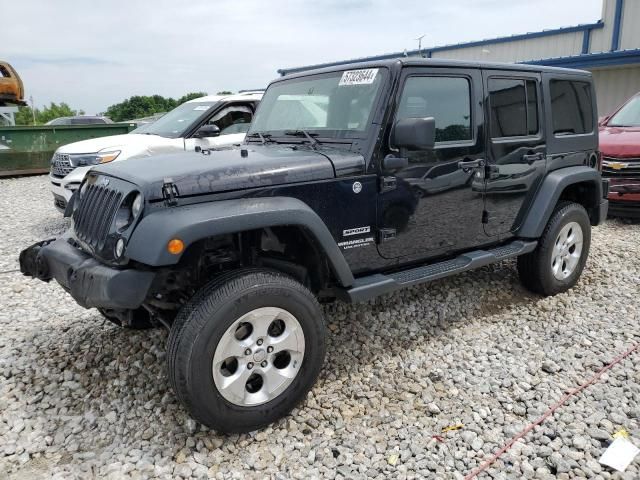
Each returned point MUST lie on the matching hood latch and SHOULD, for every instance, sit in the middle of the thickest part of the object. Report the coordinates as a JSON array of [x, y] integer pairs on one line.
[[170, 192]]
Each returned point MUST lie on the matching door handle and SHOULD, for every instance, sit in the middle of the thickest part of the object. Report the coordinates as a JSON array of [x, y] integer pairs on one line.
[[533, 157], [467, 165]]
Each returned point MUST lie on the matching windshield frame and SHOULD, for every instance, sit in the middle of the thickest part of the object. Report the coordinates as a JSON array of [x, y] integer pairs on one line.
[[214, 106], [633, 100], [324, 135]]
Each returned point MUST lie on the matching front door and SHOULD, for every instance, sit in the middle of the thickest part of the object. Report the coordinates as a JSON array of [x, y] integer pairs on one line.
[[516, 152], [434, 206]]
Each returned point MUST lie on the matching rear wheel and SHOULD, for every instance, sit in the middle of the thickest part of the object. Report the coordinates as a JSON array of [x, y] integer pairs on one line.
[[246, 349], [557, 263]]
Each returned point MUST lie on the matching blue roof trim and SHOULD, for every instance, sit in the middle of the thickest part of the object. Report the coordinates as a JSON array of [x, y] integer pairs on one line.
[[617, 23], [587, 27], [521, 36], [592, 60]]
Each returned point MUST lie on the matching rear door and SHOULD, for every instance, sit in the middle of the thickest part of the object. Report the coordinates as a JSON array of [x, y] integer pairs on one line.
[[516, 147]]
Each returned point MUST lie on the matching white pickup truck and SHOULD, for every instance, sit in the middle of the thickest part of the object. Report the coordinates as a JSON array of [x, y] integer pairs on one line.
[[205, 122]]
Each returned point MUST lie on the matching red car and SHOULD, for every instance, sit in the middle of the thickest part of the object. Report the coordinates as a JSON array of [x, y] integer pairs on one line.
[[620, 147]]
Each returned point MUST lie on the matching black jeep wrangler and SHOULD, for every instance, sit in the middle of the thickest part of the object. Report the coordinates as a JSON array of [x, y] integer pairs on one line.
[[353, 182]]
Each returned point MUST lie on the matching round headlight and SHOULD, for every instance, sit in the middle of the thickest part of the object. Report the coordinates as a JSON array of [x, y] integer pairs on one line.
[[136, 206], [119, 251], [123, 217]]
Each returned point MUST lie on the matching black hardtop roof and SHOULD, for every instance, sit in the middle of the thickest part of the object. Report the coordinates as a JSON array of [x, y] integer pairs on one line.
[[431, 62]]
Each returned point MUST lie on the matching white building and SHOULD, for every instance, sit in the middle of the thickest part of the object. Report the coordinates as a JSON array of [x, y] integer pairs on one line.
[[610, 48]]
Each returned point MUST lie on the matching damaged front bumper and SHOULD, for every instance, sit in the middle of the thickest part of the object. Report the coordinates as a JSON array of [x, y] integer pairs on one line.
[[90, 283]]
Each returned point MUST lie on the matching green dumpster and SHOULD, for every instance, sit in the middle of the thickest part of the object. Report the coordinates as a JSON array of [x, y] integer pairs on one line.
[[28, 150]]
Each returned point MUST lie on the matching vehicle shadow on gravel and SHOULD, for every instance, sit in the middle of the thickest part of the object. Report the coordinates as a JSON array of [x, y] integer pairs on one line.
[[400, 318]]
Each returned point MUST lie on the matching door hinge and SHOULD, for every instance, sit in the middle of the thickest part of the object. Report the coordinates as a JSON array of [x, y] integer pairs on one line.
[[169, 192], [485, 216], [386, 234], [387, 184]]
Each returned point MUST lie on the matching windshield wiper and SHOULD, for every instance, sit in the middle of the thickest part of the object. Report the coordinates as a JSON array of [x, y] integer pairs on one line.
[[303, 133], [264, 137]]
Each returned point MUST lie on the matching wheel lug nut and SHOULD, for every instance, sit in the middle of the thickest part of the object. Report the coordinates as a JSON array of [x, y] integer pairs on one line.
[[263, 364], [269, 349], [247, 351], [249, 365], [259, 342]]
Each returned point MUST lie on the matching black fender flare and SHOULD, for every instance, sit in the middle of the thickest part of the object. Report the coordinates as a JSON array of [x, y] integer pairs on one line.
[[549, 193], [190, 223]]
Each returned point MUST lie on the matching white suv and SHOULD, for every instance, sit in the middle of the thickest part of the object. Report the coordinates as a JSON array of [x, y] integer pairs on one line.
[[205, 122]]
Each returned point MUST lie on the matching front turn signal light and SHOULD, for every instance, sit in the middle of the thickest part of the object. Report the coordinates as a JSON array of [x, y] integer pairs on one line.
[[175, 246], [106, 157]]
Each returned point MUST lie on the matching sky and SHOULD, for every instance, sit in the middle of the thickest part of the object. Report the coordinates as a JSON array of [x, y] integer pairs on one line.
[[93, 54]]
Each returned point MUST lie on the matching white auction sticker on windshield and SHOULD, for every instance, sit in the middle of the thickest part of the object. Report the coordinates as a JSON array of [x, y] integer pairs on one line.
[[365, 76], [202, 107]]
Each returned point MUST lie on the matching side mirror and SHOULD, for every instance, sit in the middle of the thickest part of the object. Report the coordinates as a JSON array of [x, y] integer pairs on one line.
[[414, 133], [207, 131], [391, 162]]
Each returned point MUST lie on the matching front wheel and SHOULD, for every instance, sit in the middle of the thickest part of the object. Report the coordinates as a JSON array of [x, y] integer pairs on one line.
[[246, 349], [558, 260]]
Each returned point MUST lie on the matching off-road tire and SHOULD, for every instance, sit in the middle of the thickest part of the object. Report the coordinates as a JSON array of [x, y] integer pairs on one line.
[[199, 327], [137, 319], [535, 269]]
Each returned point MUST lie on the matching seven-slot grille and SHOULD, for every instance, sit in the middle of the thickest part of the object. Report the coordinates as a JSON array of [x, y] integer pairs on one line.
[[94, 216], [61, 165], [620, 167]]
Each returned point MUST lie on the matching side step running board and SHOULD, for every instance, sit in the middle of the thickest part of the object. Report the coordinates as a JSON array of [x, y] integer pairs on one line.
[[365, 288]]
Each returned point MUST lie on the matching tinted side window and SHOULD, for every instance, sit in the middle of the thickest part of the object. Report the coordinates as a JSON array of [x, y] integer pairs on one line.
[[508, 103], [447, 99], [514, 107], [571, 107]]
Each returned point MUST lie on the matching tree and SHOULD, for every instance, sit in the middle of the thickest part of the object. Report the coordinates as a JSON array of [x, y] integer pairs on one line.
[[140, 106], [54, 110], [224, 92], [24, 116], [190, 96]]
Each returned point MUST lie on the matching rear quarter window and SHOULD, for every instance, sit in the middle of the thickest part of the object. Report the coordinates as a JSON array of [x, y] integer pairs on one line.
[[571, 107]]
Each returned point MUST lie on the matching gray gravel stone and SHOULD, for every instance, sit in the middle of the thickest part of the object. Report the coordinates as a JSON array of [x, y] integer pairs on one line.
[[82, 399]]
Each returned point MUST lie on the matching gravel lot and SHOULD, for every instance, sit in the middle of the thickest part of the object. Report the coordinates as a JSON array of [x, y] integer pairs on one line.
[[82, 399]]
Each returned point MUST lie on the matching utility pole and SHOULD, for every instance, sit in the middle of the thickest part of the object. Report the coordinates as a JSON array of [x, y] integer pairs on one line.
[[419, 39], [33, 109]]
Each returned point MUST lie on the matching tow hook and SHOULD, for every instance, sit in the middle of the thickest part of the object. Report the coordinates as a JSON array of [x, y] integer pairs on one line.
[[32, 264]]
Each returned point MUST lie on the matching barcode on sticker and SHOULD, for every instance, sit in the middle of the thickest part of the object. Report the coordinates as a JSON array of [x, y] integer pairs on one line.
[[365, 76]]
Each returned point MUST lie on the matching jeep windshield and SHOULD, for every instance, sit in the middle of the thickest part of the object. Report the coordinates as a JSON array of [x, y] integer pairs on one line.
[[176, 123], [336, 105]]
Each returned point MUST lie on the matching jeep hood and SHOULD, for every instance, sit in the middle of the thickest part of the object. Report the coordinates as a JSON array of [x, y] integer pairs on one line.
[[249, 167]]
